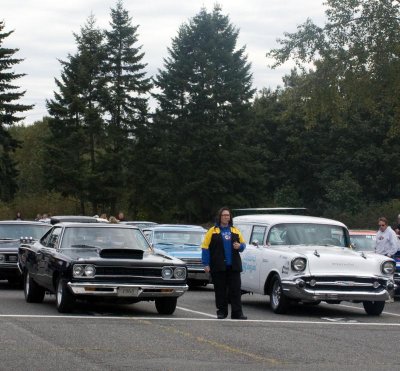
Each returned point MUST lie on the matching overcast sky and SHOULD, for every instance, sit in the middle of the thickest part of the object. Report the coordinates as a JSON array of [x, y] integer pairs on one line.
[[43, 33]]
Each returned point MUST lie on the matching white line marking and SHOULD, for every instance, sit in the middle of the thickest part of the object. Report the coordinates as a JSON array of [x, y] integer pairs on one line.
[[199, 320], [195, 311], [362, 309]]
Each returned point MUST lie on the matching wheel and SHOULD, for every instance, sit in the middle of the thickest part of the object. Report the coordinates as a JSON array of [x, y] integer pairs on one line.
[[374, 308], [33, 292], [278, 301], [65, 300], [166, 305]]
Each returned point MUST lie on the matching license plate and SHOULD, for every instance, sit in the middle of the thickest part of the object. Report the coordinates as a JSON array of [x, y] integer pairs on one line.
[[127, 291]]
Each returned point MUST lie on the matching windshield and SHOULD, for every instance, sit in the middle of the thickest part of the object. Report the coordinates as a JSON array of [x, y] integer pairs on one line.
[[363, 242], [307, 234], [16, 231], [178, 237], [85, 237]]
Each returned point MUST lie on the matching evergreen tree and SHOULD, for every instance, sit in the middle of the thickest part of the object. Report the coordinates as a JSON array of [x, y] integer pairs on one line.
[[126, 103], [76, 123], [9, 94], [199, 156]]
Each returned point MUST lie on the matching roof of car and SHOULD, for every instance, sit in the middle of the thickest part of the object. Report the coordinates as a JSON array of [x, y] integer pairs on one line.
[[98, 225], [31, 222], [277, 218], [175, 227], [73, 218], [362, 232]]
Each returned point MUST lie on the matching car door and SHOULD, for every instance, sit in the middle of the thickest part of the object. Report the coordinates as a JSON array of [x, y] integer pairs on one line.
[[252, 259], [45, 258]]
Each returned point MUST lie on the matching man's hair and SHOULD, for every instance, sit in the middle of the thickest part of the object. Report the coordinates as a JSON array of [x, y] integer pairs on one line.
[[383, 219]]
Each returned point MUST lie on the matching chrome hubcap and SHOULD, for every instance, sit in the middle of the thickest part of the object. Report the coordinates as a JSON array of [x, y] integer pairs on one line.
[[59, 292], [276, 293]]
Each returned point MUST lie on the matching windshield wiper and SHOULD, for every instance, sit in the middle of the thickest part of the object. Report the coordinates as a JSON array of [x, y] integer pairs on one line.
[[163, 243], [191, 244], [90, 246]]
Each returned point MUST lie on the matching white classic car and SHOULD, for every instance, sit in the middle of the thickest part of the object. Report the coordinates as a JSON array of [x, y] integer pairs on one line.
[[308, 259]]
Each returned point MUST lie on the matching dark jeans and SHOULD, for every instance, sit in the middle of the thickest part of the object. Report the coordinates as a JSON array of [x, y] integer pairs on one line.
[[227, 285]]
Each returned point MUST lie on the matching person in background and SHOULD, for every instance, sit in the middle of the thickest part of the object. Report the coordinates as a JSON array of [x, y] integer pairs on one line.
[[103, 216], [397, 227], [18, 216], [121, 216], [113, 220], [220, 256], [38, 217], [386, 239]]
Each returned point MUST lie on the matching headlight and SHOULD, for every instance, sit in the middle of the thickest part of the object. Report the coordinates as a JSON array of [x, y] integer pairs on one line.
[[77, 270], [2, 258], [388, 267], [180, 273], [167, 273], [90, 271], [299, 264]]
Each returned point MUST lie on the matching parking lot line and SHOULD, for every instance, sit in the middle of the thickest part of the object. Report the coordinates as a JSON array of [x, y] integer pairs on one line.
[[288, 322], [197, 312], [362, 309]]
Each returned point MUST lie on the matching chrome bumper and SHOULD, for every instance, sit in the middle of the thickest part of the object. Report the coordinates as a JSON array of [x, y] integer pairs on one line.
[[198, 274], [293, 290], [126, 290]]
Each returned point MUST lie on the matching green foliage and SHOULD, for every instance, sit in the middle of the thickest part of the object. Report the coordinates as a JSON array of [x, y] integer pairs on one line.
[[199, 156], [9, 109]]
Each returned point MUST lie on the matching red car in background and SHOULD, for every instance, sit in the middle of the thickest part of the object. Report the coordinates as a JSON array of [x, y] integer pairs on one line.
[[363, 240]]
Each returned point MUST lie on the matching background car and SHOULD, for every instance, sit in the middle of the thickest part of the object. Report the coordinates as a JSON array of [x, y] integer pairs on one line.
[[11, 233], [182, 242], [309, 259], [100, 261], [140, 223], [363, 240]]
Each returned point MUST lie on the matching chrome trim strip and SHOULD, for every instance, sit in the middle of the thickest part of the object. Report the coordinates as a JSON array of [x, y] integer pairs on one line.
[[111, 289]]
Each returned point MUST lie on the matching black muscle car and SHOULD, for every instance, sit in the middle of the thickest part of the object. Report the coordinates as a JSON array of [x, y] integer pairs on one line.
[[11, 234], [112, 262]]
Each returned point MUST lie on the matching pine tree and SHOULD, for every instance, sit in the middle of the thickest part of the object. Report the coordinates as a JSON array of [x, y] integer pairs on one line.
[[203, 108], [126, 105], [8, 109], [76, 124]]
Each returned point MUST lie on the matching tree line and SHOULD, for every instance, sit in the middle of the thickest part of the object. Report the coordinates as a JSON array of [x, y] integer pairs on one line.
[[326, 139]]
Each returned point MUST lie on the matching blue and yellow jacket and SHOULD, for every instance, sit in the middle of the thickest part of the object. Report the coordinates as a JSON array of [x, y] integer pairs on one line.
[[213, 254]]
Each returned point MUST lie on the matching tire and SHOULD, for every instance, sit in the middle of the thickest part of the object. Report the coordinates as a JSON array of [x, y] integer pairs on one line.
[[65, 300], [278, 301], [166, 305], [33, 292], [374, 308]]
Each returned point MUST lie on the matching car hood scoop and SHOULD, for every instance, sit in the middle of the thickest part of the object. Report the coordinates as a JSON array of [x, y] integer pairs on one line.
[[121, 254]]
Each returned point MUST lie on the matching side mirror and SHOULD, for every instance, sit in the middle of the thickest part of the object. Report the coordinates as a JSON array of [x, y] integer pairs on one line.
[[255, 243]]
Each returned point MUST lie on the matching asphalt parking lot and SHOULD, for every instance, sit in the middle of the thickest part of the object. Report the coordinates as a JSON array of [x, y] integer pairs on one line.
[[120, 337]]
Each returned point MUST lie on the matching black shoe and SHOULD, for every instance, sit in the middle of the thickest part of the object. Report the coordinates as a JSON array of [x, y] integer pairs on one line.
[[222, 315], [242, 316]]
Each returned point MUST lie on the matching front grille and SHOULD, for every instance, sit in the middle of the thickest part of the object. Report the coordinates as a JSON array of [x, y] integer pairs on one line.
[[128, 271], [11, 258], [344, 283], [193, 262]]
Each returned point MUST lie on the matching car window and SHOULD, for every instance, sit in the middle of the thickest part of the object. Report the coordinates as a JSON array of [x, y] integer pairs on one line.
[[363, 242], [307, 234], [53, 238], [258, 234], [179, 237], [104, 237]]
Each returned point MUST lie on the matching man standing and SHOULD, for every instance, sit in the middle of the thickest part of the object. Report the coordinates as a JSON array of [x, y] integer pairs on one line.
[[386, 239], [220, 256]]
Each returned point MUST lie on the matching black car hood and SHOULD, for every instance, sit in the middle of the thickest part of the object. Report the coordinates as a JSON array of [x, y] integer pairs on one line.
[[105, 253]]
